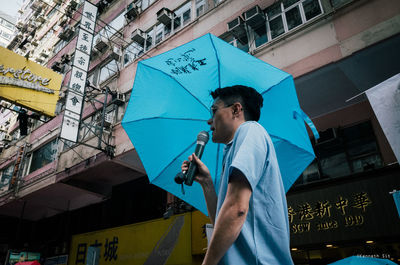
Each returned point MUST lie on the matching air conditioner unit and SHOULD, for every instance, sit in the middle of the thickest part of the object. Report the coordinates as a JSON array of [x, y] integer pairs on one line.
[[7, 138], [120, 100], [108, 119], [41, 19], [101, 43], [138, 36], [327, 135], [65, 58], [164, 15], [116, 53], [34, 42], [237, 28], [44, 53], [254, 17], [66, 33], [36, 4], [19, 25], [132, 11], [63, 22], [39, 60], [58, 67]]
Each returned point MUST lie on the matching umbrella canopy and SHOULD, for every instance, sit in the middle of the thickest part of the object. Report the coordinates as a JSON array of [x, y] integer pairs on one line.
[[170, 105], [358, 260]]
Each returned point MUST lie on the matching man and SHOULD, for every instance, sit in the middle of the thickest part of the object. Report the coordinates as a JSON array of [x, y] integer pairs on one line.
[[249, 213]]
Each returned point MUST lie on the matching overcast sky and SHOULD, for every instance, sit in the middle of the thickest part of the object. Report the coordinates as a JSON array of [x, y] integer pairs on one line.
[[10, 7]]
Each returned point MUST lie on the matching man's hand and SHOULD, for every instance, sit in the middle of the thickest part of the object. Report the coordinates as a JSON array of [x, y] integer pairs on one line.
[[203, 176]]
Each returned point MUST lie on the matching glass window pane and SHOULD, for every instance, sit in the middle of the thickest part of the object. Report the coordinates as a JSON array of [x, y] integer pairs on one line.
[[366, 163], [108, 70], [311, 173], [276, 27], [293, 17], [311, 8], [117, 23], [186, 17], [243, 44], [274, 10], [149, 39], [288, 3], [6, 175], [260, 35], [131, 52], [200, 7], [177, 23], [338, 3], [44, 156], [335, 166]]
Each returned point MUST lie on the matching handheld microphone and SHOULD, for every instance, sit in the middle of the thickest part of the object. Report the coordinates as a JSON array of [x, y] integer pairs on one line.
[[202, 139], [187, 177]]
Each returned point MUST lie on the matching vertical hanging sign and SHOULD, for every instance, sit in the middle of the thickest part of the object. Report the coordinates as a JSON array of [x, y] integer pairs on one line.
[[80, 66]]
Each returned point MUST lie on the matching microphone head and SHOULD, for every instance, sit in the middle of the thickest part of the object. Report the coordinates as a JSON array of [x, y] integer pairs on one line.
[[203, 137]]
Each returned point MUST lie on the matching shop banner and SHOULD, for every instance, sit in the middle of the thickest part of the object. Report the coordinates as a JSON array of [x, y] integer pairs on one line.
[[155, 242], [28, 84]]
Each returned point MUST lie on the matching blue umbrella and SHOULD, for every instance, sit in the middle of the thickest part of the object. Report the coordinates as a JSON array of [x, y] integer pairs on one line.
[[359, 260], [170, 104]]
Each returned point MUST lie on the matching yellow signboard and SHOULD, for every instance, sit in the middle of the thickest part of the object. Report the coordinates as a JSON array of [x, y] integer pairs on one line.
[[155, 242], [199, 237], [28, 84]]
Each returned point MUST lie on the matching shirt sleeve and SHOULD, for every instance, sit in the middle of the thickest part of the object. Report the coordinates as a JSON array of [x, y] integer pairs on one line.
[[250, 152]]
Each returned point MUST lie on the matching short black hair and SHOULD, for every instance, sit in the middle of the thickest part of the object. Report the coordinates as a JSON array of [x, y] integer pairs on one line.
[[251, 100]]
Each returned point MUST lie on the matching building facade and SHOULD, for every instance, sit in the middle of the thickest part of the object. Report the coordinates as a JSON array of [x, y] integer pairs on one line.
[[55, 191], [7, 29]]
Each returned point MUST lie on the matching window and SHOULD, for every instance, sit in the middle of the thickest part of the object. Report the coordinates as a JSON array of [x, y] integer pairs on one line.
[[6, 35], [44, 155], [343, 151], [200, 7], [131, 52], [338, 3], [6, 175], [241, 43], [61, 44], [144, 3], [111, 28], [9, 25], [108, 70], [182, 16], [149, 39], [53, 11], [288, 14]]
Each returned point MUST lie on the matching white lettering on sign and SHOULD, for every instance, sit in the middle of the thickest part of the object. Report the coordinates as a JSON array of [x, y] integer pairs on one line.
[[24, 74], [25, 84]]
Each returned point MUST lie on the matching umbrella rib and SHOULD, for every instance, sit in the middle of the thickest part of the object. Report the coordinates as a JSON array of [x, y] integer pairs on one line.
[[272, 134], [176, 157], [219, 64], [267, 90], [173, 78]]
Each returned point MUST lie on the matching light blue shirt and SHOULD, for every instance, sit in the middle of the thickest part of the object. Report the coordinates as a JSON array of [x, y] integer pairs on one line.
[[264, 238]]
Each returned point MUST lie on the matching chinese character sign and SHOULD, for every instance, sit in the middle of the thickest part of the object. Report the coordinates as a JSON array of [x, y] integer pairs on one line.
[[345, 210], [89, 14], [77, 84]]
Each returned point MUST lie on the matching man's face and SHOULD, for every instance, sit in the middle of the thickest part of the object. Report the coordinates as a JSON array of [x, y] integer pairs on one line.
[[221, 122]]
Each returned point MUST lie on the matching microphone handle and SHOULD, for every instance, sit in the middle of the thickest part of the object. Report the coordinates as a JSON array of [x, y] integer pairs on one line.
[[193, 166]]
